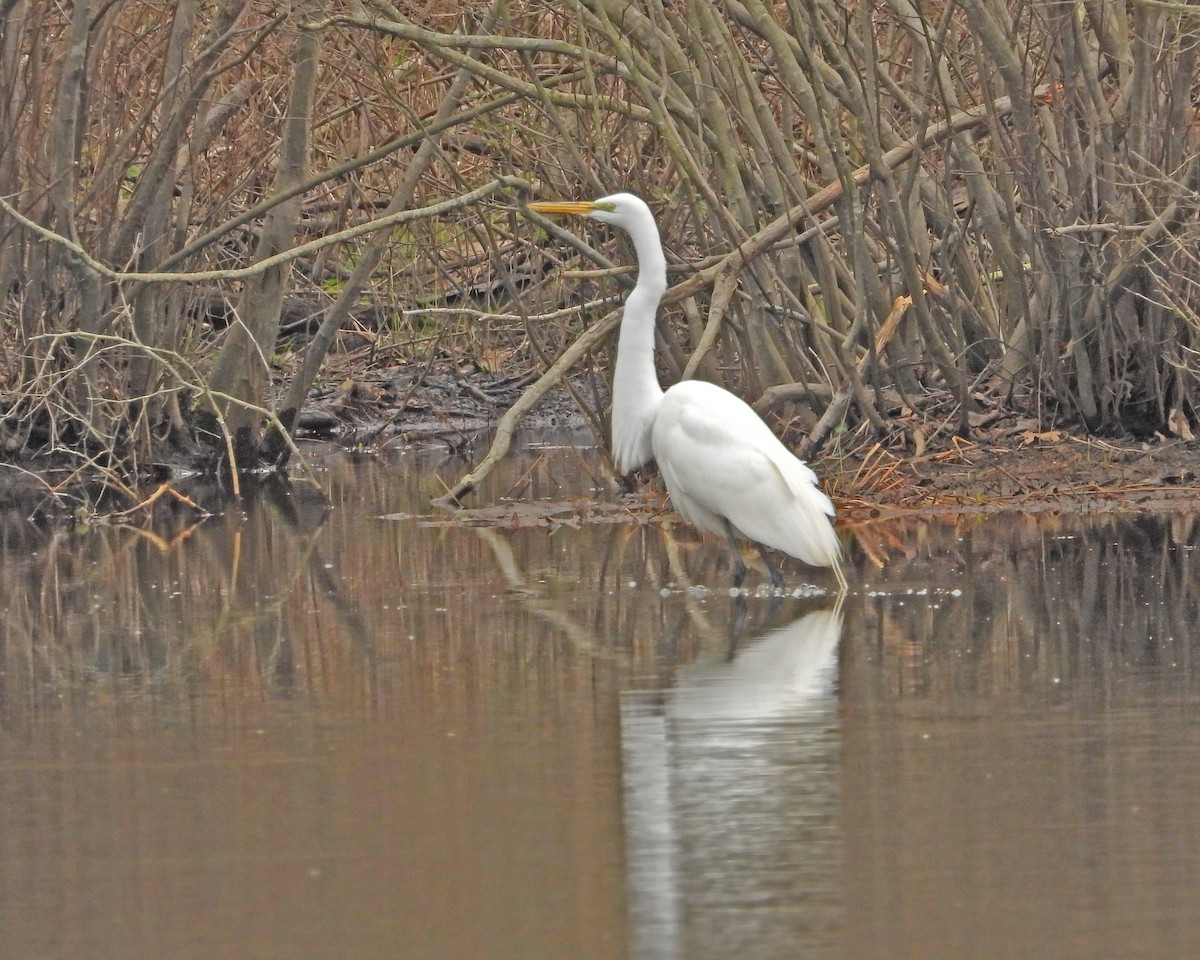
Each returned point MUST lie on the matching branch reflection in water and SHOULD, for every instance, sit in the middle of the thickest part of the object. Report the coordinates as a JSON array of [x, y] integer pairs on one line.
[[289, 726], [1021, 772]]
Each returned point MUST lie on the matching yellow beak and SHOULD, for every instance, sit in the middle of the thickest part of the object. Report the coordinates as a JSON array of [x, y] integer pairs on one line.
[[581, 207]]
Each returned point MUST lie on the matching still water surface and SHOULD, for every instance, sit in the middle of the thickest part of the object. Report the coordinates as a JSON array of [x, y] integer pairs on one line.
[[287, 733]]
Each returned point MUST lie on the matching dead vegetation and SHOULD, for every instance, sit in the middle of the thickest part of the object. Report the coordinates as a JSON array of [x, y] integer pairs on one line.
[[896, 227]]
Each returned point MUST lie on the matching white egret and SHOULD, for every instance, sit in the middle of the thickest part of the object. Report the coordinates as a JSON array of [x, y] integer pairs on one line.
[[725, 470]]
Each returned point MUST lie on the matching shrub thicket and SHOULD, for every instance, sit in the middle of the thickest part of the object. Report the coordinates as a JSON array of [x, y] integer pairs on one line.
[[932, 208]]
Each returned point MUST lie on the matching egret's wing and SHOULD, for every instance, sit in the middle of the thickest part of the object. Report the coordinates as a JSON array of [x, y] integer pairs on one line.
[[720, 461], [707, 452]]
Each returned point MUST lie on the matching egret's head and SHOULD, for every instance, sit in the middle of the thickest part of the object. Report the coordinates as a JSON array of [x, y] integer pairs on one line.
[[621, 209]]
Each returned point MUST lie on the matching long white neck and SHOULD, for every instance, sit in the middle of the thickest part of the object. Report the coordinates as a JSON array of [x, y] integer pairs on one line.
[[636, 393]]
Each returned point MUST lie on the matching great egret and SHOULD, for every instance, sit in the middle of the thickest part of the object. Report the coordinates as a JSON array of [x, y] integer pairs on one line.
[[725, 470]]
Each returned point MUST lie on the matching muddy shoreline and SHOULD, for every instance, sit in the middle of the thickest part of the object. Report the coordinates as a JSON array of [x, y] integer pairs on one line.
[[1010, 465]]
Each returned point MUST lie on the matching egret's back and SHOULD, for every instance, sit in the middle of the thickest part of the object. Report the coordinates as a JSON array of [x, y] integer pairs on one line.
[[721, 463]]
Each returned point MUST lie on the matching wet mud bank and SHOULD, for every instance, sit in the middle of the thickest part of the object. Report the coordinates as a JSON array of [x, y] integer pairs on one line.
[[1009, 466]]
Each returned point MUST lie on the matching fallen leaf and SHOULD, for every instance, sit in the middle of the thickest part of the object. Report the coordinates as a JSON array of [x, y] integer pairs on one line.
[[1048, 436], [918, 436], [1177, 423]]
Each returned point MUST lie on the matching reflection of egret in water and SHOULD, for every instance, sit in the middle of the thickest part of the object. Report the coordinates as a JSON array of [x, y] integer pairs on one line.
[[731, 801]]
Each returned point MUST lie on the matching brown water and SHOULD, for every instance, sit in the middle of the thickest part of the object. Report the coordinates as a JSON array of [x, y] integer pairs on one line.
[[285, 733]]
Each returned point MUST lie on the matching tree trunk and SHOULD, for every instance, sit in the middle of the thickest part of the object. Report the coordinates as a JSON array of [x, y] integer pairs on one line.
[[241, 376]]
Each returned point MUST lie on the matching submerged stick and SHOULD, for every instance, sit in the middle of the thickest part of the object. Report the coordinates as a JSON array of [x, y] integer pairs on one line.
[[516, 413]]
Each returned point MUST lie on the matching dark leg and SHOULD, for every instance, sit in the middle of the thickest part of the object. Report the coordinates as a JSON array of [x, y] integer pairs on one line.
[[737, 625], [776, 576], [739, 565]]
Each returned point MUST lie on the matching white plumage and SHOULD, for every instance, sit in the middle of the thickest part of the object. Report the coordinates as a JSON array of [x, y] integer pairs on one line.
[[725, 470]]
